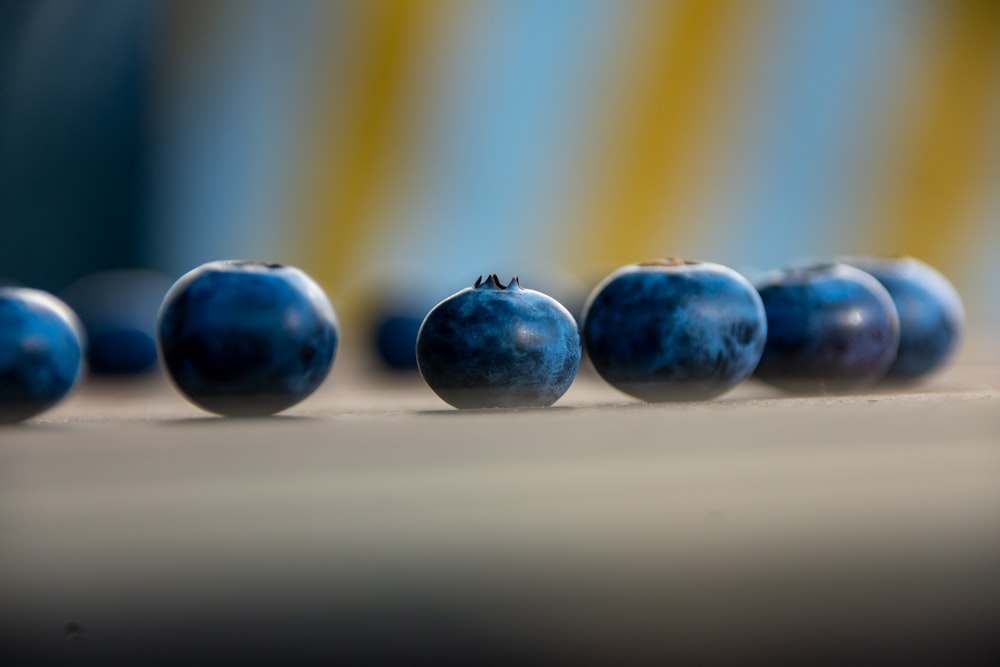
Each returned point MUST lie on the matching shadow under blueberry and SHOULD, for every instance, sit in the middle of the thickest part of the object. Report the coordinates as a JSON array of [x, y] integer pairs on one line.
[[495, 411], [32, 424], [224, 419]]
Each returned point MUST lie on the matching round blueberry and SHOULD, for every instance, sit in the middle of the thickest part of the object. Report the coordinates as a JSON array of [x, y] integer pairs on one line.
[[395, 339], [246, 338], [931, 317], [393, 323], [491, 346], [831, 327], [118, 311], [40, 352], [670, 330]]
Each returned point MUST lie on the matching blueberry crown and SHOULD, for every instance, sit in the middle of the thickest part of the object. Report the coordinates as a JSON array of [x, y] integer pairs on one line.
[[254, 264], [669, 261], [493, 282], [811, 268]]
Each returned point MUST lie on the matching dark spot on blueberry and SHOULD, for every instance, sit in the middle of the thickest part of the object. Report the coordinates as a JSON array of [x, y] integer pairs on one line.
[[743, 332], [194, 349], [306, 354], [663, 373], [720, 364]]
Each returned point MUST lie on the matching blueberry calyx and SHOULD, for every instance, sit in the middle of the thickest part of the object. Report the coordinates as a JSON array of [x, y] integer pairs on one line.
[[668, 261], [493, 282], [810, 269], [251, 264]]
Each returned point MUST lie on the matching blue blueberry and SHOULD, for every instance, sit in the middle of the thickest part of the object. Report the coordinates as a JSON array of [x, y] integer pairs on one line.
[[245, 338], [118, 310], [831, 327], [931, 317], [671, 330], [395, 339], [393, 324], [491, 346], [40, 352]]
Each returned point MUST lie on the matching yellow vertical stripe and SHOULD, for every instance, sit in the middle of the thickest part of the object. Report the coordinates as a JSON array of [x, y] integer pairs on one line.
[[642, 187], [926, 215], [351, 160]]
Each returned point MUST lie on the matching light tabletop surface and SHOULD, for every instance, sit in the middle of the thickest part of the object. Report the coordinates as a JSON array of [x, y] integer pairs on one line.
[[373, 522]]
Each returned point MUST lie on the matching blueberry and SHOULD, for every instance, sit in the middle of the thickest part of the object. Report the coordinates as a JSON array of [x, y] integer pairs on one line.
[[395, 339], [491, 346], [393, 323], [40, 352], [931, 317], [245, 338], [831, 327], [118, 311], [671, 330]]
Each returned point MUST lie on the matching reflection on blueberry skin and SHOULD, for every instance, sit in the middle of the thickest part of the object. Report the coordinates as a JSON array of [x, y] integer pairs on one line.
[[491, 346], [118, 310], [246, 338], [931, 317], [40, 352], [831, 327], [670, 330]]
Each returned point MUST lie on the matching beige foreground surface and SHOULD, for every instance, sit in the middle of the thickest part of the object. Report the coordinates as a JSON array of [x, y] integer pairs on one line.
[[373, 522]]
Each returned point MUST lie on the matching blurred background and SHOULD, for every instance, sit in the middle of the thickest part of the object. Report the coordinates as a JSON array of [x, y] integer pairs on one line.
[[410, 146]]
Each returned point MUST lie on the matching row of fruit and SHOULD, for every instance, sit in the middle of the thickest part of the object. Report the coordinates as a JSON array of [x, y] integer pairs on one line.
[[248, 338]]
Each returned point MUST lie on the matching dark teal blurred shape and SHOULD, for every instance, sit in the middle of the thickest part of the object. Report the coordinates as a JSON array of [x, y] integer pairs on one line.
[[74, 137]]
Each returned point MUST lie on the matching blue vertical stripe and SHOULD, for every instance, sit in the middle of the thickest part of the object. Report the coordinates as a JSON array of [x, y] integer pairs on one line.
[[798, 173], [507, 114]]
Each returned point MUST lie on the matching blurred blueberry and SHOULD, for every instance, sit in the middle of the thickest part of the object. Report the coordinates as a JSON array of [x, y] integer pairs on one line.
[[831, 327], [671, 330], [492, 345], [393, 322], [931, 317], [40, 352], [395, 339], [246, 338], [118, 310]]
